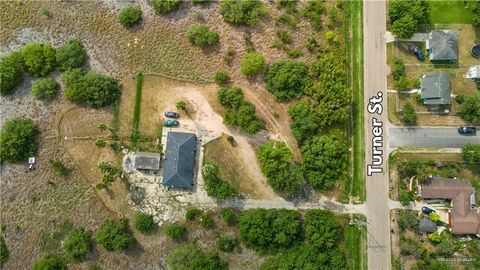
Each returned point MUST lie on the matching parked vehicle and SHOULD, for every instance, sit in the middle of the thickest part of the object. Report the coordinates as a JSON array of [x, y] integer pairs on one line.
[[467, 130], [171, 114], [417, 52], [171, 123], [427, 210]]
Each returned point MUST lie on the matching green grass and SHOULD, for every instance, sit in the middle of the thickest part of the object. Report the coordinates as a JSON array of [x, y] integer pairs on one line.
[[356, 247], [136, 111], [444, 12]]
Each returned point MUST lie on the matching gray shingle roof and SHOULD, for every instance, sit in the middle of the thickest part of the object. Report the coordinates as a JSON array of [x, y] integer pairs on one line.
[[179, 160], [435, 88], [427, 226], [443, 45], [147, 161]]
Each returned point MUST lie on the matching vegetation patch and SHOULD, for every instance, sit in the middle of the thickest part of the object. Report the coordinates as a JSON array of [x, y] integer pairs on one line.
[[252, 63], [18, 140], [215, 186], [287, 79], [114, 235], [405, 16], [201, 35], [71, 55], [45, 89], [144, 223], [40, 59], [242, 12], [137, 109], [130, 16], [188, 256], [11, 73]]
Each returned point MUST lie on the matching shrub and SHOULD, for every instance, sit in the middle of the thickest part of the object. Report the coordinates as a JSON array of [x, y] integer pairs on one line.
[[40, 59], [229, 55], [470, 110], [182, 106], [221, 77], [471, 153], [215, 186], [59, 168], [192, 214], [200, 35], [285, 36], [4, 253], [92, 89], [110, 174], [459, 99], [226, 243], [295, 53], [276, 161], [409, 116], [398, 69], [130, 16], [228, 216], [144, 222], [49, 262], [11, 73], [71, 55], [252, 64], [175, 231], [114, 235], [189, 257], [287, 79], [434, 217], [45, 89], [165, 6], [206, 221], [313, 10], [269, 230], [18, 140], [242, 12], [100, 143], [77, 244], [401, 84]]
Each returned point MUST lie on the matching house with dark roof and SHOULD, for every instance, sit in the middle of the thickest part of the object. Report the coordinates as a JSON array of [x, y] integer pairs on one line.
[[179, 165], [435, 88], [147, 161], [442, 45], [464, 217]]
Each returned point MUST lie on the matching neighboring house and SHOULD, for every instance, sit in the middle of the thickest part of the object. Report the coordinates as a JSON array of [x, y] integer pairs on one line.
[[464, 217], [442, 45], [147, 161], [435, 88], [179, 165], [427, 226], [474, 73]]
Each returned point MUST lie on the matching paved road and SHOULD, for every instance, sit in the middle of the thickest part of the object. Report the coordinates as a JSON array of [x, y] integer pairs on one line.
[[429, 137], [375, 69]]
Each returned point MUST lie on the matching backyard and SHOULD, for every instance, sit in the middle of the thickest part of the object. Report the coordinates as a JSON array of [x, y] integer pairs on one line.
[[451, 12]]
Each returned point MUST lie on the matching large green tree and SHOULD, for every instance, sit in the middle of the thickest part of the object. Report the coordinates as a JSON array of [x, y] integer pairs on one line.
[[11, 73], [71, 55], [471, 108], [114, 235], [252, 63], [325, 161], [18, 140], [404, 27], [405, 15], [77, 244], [287, 79], [40, 59], [242, 12], [471, 153], [322, 229]]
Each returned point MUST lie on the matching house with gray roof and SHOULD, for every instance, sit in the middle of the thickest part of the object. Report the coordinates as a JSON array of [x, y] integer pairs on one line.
[[179, 165], [442, 45], [435, 88], [147, 161]]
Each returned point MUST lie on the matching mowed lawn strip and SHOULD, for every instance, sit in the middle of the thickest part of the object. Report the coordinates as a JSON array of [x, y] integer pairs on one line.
[[356, 251], [450, 12], [137, 108]]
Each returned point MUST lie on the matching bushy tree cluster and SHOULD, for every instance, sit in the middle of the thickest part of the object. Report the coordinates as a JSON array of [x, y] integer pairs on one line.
[[40, 59], [109, 174], [322, 230], [471, 153], [11, 73], [276, 161], [405, 15], [188, 256], [200, 35], [470, 110], [90, 88], [239, 112], [313, 10], [409, 116], [242, 12], [252, 63], [419, 168], [287, 79], [77, 244], [325, 161], [215, 186], [71, 55], [114, 235], [268, 230], [144, 222], [18, 140], [45, 88], [176, 231], [130, 16], [165, 6]]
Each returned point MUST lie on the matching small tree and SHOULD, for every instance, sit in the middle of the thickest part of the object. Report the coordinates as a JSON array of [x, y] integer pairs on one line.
[[226, 243], [200, 35], [181, 106], [78, 244], [144, 222], [114, 235], [409, 115], [11, 73], [40, 59], [130, 16], [221, 77], [71, 55], [252, 64], [18, 140], [49, 262], [45, 88], [175, 231], [165, 6]]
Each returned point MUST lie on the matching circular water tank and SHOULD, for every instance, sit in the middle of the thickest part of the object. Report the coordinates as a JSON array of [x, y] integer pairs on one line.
[[476, 50]]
